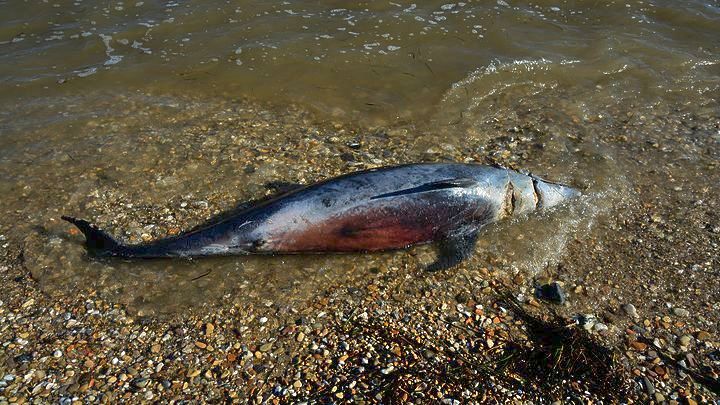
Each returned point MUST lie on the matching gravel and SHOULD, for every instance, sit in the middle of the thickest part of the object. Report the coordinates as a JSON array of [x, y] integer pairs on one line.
[[370, 327]]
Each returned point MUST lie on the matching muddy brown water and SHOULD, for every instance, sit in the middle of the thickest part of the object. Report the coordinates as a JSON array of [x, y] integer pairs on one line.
[[148, 117]]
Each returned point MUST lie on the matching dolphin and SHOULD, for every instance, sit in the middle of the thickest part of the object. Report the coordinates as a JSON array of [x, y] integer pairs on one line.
[[385, 208]]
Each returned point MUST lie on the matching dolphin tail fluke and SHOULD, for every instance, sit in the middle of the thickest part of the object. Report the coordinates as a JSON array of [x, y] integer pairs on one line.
[[96, 240]]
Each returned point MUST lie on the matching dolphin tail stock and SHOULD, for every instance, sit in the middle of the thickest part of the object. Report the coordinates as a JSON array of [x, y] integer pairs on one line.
[[96, 240]]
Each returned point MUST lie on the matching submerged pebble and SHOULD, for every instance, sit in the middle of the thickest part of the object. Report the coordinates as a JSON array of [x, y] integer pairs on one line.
[[551, 292]]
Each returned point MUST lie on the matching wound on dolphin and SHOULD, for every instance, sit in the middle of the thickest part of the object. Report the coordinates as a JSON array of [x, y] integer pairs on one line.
[[379, 209]]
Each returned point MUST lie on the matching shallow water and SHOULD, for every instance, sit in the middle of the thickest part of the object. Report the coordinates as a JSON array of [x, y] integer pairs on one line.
[[148, 117], [379, 60]]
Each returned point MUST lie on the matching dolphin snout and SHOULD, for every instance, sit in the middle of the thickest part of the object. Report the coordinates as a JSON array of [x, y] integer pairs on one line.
[[551, 194]]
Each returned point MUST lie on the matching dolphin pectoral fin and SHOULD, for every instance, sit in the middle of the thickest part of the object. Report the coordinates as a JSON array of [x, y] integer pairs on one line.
[[453, 250]]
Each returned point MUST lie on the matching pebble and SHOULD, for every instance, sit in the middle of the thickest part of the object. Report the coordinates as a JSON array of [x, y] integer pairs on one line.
[[690, 359], [649, 387], [266, 347], [681, 312], [551, 292], [685, 340], [600, 327], [387, 370], [639, 346], [57, 354], [587, 321], [702, 335], [24, 358], [630, 310]]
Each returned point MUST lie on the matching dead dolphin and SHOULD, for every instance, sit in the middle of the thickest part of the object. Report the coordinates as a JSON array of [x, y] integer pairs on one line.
[[372, 210]]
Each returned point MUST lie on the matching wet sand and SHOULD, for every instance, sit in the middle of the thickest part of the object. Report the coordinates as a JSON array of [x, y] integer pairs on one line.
[[638, 259]]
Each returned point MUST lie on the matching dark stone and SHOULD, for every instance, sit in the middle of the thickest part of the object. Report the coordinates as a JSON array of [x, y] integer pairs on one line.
[[23, 358], [639, 330], [140, 382], [551, 292], [649, 387]]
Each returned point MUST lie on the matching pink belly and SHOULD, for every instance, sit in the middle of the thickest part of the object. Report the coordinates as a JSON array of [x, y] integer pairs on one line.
[[365, 232]]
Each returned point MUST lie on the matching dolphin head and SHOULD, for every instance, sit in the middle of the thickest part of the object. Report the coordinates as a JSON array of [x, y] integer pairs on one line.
[[550, 194]]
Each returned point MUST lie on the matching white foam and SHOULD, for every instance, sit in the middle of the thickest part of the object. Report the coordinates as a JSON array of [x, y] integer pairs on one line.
[[112, 59]]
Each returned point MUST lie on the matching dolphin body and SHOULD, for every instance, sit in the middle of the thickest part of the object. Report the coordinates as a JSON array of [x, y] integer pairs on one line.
[[373, 210]]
